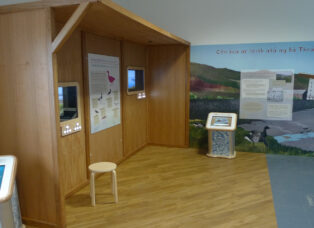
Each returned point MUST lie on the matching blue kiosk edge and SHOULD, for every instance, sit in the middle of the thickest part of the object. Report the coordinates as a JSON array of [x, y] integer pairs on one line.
[[10, 216]]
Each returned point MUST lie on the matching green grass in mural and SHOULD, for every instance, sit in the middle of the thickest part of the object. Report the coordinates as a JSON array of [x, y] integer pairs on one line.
[[273, 147], [217, 76], [213, 96], [199, 139], [301, 81], [198, 134], [249, 147], [276, 148]]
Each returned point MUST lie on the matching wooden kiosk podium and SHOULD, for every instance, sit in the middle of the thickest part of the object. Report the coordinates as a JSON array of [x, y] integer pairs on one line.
[[221, 134]]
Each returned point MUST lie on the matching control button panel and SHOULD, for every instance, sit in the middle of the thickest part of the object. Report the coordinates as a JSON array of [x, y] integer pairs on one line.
[[141, 95], [70, 129]]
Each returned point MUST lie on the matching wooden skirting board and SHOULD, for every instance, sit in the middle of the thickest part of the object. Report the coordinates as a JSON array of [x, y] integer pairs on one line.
[[36, 223]]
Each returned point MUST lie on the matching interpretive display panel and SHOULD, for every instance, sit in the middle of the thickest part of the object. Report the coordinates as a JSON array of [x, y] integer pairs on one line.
[[266, 94], [215, 86], [221, 141], [104, 91]]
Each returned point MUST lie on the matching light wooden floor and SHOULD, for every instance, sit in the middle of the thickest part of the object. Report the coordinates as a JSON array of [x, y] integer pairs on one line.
[[170, 187]]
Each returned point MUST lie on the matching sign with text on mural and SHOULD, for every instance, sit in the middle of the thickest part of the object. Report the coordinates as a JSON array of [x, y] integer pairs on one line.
[[266, 94]]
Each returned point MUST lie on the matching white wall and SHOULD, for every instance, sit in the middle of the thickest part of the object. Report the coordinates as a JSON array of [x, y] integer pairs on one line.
[[229, 21], [226, 21], [12, 2]]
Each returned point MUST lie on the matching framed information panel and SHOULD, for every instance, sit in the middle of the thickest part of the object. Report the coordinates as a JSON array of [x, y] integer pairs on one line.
[[104, 91]]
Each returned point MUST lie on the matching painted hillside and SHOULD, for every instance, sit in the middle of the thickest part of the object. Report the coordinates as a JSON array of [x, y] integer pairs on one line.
[[222, 83]]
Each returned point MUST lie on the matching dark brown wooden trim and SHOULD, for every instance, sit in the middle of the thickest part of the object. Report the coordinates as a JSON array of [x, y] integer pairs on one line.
[[187, 102]]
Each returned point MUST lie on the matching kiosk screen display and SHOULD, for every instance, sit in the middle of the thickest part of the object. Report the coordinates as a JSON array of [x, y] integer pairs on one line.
[[221, 121], [68, 102], [1, 174], [135, 80]]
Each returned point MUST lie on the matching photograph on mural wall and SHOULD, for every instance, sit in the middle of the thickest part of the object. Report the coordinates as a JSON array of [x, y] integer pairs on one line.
[[284, 103]]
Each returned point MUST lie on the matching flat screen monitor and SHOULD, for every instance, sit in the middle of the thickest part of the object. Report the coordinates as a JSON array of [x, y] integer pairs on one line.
[[1, 174], [68, 102], [136, 80]]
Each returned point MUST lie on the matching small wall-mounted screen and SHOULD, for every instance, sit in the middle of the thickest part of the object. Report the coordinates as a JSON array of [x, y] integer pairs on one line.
[[68, 102], [221, 121], [135, 80], [1, 174]]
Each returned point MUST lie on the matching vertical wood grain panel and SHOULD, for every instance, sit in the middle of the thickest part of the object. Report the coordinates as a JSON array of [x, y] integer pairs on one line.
[[27, 114], [134, 110], [105, 145], [72, 147], [167, 98]]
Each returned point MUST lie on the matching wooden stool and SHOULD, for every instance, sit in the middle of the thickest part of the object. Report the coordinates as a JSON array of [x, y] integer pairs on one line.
[[103, 167]]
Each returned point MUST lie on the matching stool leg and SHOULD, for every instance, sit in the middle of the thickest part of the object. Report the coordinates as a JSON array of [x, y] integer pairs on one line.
[[92, 188], [114, 185]]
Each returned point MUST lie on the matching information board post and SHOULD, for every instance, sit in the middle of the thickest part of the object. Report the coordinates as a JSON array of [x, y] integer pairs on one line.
[[221, 134]]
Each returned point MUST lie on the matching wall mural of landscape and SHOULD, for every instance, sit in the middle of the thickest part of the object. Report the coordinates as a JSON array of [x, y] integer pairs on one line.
[[215, 87]]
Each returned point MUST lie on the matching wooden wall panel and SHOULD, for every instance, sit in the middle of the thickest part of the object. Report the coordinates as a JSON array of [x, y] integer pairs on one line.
[[27, 114], [105, 145], [168, 104], [72, 147], [135, 111]]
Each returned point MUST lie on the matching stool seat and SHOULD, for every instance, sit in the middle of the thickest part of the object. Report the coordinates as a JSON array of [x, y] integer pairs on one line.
[[102, 167]]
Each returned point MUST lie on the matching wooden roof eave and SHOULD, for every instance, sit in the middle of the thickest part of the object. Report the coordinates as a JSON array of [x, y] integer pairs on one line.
[[80, 12], [70, 26]]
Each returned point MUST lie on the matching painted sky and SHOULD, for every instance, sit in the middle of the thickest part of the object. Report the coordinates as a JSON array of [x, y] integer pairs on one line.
[[297, 56]]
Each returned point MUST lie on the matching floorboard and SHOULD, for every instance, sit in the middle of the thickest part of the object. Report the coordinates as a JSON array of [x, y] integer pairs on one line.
[[171, 187]]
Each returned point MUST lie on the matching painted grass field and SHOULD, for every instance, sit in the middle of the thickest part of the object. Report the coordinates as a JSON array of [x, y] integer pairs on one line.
[[199, 139]]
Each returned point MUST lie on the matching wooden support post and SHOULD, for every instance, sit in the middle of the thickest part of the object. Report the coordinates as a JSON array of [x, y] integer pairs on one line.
[[70, 26]]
